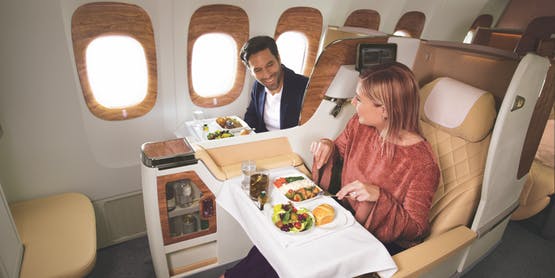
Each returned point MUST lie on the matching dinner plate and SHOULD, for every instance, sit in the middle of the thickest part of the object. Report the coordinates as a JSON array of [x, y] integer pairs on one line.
[[233, 130], [284, 188]]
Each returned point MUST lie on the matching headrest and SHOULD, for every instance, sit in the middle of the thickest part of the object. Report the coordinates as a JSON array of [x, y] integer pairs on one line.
[[458, 108]]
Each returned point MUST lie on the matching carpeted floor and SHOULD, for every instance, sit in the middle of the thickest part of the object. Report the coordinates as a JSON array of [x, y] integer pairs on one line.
[[521, 253]]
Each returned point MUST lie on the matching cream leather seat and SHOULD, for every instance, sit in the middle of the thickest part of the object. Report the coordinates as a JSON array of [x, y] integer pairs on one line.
[[57, 233], [457, 120]]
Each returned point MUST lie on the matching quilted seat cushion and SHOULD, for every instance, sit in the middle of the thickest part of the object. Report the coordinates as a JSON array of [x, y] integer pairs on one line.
[[456, 119]]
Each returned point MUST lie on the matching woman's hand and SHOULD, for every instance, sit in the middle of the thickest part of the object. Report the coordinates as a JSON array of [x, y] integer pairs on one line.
[[322, 151], [359, 191]]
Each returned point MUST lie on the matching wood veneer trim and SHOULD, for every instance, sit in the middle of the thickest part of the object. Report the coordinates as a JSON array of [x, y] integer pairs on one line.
[[307, 21], [161, 182], [227, 19], [475, 68], [364, 18], [94, 20], [411, 22]]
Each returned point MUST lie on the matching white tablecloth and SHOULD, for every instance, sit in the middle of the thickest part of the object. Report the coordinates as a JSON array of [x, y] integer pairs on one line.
[[346, 250]]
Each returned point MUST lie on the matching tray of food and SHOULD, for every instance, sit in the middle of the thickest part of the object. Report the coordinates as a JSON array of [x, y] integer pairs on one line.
[[231, 123]]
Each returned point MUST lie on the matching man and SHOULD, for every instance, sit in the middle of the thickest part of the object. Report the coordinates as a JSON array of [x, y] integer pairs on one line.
[[277, 94]]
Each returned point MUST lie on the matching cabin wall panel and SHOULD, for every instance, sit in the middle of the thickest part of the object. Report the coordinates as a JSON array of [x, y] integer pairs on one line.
[[458, 14]]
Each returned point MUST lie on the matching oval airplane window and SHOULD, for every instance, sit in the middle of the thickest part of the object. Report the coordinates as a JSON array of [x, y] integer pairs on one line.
[[308, 22], [117, 71], [213, 55], [227, 21], [115, 58], [292, 48]]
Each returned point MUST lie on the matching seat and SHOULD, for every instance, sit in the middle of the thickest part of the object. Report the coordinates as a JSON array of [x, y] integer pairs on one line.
[[456, 120], [57, 235]]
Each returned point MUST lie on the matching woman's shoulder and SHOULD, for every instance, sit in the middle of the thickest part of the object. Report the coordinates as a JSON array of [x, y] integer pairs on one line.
[[420, 152]]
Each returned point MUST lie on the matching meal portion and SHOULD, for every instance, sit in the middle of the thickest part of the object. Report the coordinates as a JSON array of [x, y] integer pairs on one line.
[[226, 127], [228, 122], [324, 214], [297, 188], [290, 219], [218, 134]]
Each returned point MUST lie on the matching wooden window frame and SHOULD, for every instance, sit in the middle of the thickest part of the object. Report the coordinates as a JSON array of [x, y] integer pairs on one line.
[[94, 20], [307, 21], [226, 19], [364, 18], [411, 22]]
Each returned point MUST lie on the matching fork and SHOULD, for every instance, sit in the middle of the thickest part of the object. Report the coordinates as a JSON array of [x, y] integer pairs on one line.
[[325, 193]]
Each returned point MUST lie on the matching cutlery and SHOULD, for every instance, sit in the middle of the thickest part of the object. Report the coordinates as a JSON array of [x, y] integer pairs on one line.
[[325, 193]]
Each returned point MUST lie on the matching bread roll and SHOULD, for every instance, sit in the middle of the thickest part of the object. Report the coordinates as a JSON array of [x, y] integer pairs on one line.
[[324, 214]]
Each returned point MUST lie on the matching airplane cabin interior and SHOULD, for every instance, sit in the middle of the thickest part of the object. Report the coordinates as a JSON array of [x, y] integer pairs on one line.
[[78, 176]]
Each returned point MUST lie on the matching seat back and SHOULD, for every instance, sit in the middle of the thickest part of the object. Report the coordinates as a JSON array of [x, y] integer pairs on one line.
[[457, 120]]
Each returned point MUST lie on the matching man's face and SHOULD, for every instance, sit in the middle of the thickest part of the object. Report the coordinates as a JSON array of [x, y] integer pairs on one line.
[[266, 68]]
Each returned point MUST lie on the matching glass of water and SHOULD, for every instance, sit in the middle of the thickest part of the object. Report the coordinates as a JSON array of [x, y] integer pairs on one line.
[[247, 167]]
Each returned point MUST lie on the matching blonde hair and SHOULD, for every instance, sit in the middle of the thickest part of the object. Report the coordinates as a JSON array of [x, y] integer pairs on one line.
[[394, 86]]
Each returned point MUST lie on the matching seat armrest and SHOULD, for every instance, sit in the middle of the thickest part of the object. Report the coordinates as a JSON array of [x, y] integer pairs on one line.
[[421, 258]]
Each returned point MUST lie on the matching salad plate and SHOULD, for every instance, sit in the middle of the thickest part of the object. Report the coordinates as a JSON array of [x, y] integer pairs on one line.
[[292, 220]]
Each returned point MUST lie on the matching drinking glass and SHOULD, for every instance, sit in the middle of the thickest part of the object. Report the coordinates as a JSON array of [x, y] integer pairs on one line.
[[198, 117], [247, 167], [259, 181]]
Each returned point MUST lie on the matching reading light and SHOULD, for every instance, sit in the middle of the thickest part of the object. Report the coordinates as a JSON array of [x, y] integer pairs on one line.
[[342, 88]]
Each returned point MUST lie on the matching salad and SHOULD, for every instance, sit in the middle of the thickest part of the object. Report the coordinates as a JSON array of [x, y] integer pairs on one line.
[[292, 220]]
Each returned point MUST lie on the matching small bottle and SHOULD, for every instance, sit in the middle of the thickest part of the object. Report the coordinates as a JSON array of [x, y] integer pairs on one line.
[[205, 131], [262, 199]]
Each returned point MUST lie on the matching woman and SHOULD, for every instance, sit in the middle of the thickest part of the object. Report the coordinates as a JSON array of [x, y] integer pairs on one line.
[[389, 174]]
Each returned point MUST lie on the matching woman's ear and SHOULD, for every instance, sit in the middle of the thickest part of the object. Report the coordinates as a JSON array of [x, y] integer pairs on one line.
[[384, 113]]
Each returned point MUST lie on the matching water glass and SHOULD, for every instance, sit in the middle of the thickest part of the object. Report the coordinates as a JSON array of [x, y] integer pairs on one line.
[[198, 117], [247, 167]]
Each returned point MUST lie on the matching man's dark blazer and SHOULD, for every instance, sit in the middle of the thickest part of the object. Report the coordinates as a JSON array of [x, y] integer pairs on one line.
[[294, 86]]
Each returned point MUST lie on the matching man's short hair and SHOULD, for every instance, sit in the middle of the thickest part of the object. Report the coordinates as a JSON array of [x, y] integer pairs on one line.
[[257, 44]]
